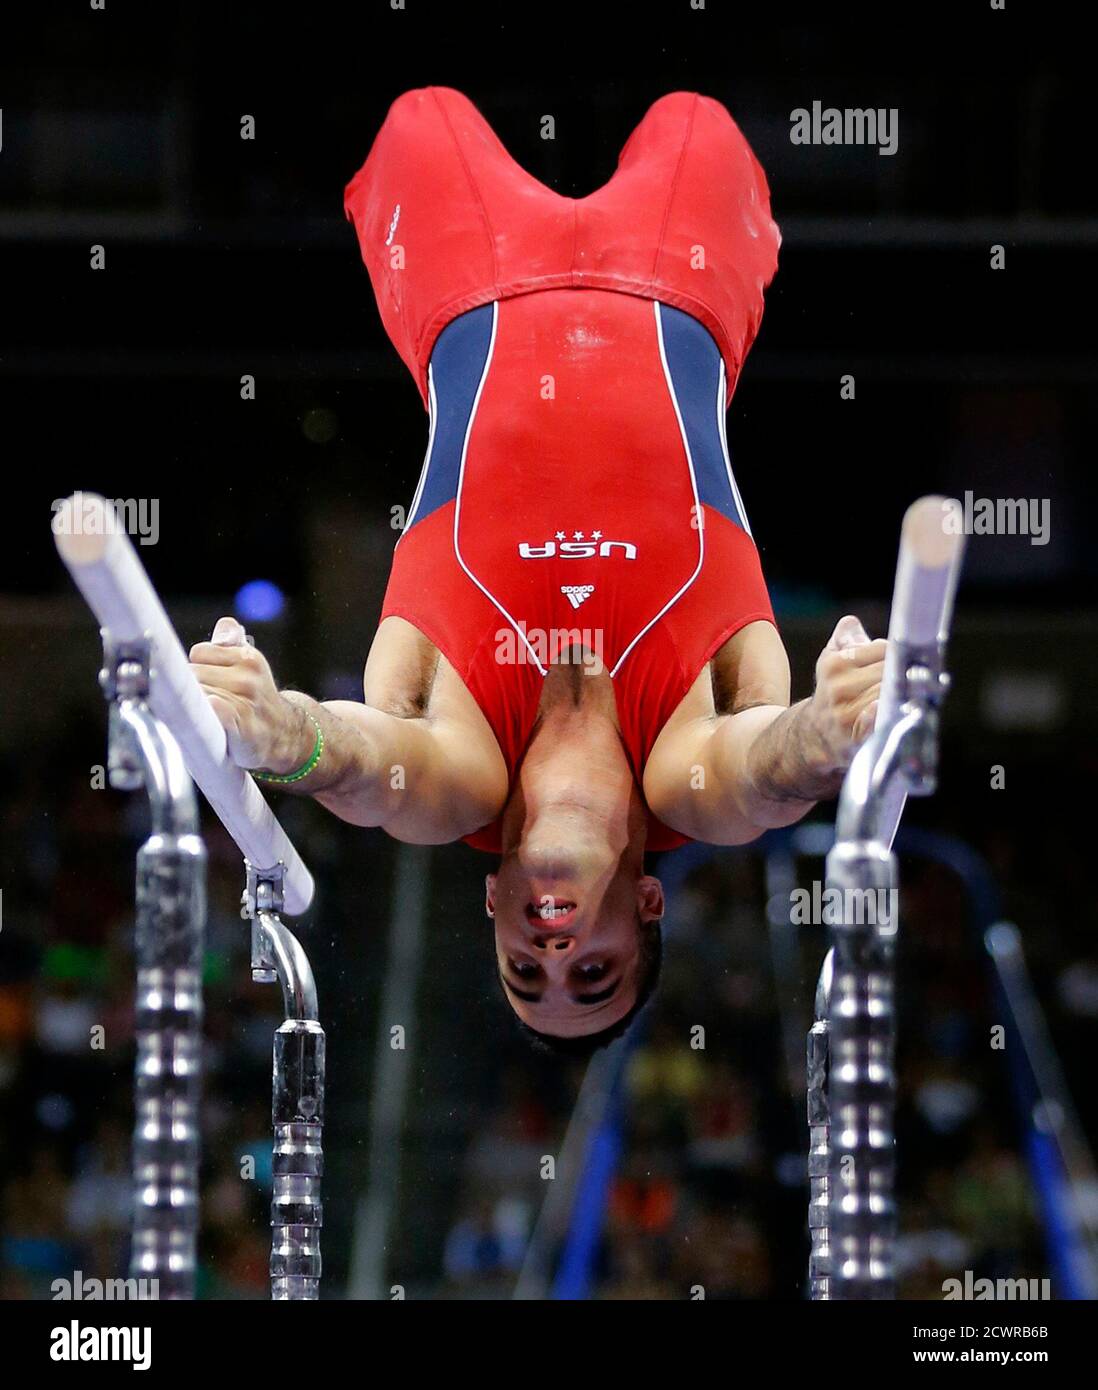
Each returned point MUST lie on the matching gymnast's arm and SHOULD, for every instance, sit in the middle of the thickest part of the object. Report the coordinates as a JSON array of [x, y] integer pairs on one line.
[[425, 780], [731, 764]]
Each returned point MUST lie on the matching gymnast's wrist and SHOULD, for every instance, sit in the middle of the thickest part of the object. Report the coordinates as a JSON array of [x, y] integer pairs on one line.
[[802, 765], [815, 772], [298, 749]]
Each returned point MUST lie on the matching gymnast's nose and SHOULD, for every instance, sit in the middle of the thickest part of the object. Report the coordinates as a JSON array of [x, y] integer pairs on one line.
[[559, 942]]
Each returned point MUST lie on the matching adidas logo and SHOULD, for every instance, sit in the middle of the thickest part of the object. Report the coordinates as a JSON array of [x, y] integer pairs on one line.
[[577, 593]]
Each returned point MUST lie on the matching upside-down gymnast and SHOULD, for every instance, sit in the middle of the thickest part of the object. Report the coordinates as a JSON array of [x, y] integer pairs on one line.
[[577, 660]]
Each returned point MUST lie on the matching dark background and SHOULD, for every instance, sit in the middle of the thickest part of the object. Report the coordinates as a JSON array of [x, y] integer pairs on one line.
[[230, 256], [227, 257]]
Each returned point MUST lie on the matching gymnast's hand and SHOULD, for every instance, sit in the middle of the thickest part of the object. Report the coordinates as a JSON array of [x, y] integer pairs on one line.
[[262, 728], [842, 710]]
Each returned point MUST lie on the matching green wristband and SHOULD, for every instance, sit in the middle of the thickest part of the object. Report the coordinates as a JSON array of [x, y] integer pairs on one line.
[[282, 778]]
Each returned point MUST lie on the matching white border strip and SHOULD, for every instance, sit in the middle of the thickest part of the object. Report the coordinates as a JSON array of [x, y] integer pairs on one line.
[[432, 413], [461, 482], [722, 414], [694, 485]]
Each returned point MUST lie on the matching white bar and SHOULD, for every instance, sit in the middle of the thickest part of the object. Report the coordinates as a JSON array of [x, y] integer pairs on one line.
[[931, 549], [107, 571]]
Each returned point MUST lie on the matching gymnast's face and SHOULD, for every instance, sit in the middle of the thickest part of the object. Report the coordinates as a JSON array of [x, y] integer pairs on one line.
[[568, 938]]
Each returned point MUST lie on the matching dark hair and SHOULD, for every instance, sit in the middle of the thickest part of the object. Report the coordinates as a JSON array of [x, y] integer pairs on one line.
[[651, 957]]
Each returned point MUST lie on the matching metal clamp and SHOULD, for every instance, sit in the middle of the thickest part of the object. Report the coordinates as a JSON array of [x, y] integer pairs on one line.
[[297, 1106]]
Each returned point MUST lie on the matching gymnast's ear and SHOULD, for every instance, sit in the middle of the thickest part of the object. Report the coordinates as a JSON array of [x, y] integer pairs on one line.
[[650, 904], [490, 894]]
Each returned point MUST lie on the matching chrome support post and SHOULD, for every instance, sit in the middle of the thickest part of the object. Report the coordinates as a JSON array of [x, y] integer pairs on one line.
[[851, 1047], [819, 1140], [169, 937]]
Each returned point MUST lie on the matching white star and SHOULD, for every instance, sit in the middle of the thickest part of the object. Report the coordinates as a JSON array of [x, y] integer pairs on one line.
[[560, 535], [577, 535], [596, 535]]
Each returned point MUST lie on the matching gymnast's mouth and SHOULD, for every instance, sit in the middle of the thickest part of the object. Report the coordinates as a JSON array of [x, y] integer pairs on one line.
[[550, 914]]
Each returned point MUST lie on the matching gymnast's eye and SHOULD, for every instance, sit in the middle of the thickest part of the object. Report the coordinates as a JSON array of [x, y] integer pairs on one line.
[[590, 973], [525, 970]]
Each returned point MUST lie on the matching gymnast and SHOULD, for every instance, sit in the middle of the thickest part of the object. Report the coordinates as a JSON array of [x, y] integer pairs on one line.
[[577, 661]]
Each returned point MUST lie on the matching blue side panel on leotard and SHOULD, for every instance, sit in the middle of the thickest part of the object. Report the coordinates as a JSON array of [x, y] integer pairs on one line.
[[694, 365], [457, 364]]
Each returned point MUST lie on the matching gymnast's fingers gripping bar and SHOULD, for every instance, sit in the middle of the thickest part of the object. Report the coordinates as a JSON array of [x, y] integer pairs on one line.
[[107, 571]]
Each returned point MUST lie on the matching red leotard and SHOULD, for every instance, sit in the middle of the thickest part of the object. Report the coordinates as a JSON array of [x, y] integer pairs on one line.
[[576, 357]]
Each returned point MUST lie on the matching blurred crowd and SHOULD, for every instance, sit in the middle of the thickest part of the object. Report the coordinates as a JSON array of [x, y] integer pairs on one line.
[[66, 1047], [708, 1197]]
